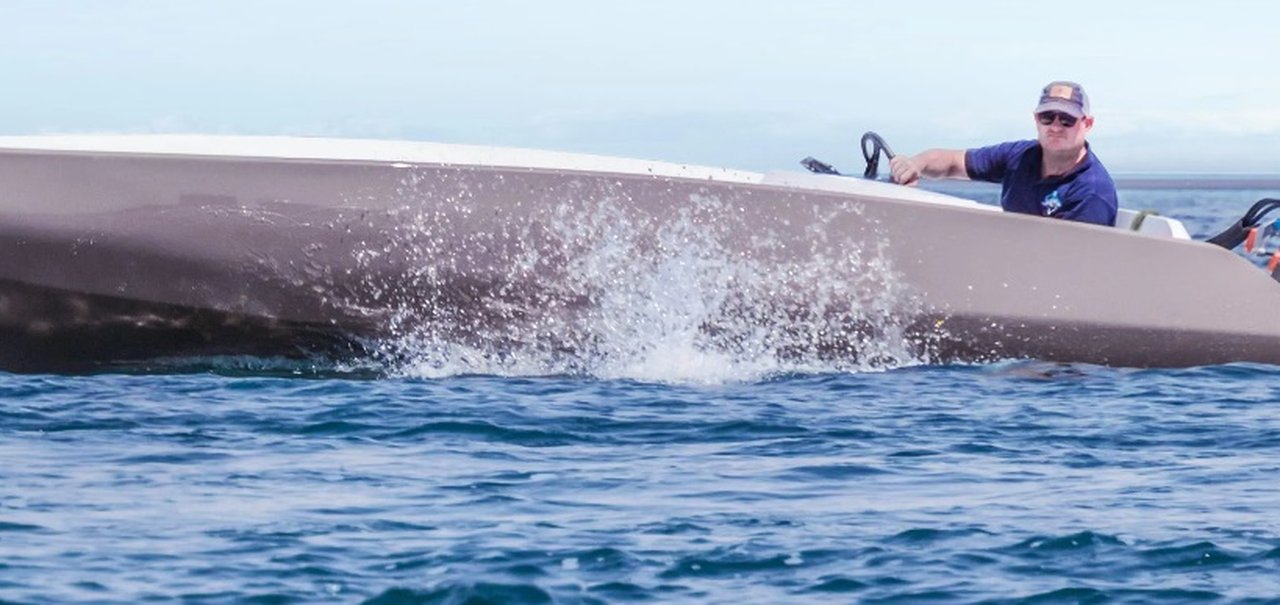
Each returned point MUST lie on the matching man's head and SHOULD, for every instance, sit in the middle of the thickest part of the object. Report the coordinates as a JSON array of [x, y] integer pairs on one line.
[[1062, 117]]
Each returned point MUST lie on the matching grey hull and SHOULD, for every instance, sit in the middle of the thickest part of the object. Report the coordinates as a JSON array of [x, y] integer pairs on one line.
[[117, 256]]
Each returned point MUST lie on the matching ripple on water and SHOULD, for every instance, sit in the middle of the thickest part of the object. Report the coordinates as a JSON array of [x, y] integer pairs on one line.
[[1099, 485]]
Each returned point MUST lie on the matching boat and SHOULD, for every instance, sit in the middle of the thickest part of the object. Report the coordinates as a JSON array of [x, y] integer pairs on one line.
[[119, 249]]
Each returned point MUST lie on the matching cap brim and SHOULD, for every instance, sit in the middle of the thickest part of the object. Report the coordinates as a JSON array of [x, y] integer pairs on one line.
[[1066, 107]]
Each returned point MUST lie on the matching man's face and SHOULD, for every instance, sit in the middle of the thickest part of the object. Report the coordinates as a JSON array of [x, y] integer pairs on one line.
[[1056, 135]]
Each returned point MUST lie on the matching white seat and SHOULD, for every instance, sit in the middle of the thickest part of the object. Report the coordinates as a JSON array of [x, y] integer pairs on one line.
[[1148, 223]]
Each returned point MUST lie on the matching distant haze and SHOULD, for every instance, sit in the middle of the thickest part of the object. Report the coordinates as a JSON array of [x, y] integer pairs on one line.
[[1177, 87]]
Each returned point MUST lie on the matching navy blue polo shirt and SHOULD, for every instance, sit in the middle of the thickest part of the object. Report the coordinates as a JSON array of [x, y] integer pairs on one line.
[[1085, 194]]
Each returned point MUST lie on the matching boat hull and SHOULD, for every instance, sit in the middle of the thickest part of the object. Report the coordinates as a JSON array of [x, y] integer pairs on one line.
[[116, 256]]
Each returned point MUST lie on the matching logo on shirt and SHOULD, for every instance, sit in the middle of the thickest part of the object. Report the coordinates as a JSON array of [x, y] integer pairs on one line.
[[1051, 203]]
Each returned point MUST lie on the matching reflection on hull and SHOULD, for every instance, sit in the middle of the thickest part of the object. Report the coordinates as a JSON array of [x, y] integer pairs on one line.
[[51, 330]]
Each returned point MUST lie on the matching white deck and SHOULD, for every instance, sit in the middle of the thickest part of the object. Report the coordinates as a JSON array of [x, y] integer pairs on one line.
[[364, 150]]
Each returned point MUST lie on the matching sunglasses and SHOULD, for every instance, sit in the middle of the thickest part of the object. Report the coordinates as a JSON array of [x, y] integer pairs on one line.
[[1047, 118]]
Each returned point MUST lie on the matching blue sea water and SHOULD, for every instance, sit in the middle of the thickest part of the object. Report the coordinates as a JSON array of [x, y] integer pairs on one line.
[[243, 480]]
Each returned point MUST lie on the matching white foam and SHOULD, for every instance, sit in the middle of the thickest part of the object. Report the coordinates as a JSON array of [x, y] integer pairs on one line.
[[597, 288]]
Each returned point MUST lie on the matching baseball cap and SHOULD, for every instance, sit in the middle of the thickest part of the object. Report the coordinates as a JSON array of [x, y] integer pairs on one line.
[[1067, 97]]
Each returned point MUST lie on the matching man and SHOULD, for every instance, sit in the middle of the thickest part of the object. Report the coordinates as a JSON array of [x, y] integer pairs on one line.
[[1055, 175]]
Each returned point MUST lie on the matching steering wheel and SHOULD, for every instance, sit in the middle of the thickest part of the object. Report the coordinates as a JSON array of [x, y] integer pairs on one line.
[[872, 146], [872, 153]]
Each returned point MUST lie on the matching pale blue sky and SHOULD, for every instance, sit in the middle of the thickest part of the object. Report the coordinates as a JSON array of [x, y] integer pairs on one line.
[[1179, 86]]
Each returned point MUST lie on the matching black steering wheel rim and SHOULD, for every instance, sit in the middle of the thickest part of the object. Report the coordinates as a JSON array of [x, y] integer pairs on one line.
[[872, 154]]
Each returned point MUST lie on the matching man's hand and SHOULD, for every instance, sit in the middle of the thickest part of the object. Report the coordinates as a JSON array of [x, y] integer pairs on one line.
[[903, 171]]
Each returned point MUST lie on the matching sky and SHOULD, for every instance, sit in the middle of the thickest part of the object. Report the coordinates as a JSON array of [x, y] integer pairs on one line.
[[1178, 86]]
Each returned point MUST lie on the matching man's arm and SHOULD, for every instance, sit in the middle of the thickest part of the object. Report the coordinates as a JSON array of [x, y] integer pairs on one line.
[[934, 164]]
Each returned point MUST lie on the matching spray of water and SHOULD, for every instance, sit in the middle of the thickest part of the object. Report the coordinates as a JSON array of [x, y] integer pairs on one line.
[[590, 282]]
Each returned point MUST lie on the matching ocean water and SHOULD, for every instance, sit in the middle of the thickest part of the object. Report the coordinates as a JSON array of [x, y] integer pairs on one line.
[[685, 479]]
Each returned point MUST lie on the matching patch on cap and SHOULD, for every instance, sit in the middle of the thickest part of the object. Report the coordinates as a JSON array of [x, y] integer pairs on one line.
[[1062, 91]]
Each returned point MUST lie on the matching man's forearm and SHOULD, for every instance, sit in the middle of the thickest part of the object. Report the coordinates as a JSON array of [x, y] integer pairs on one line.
[[940, 163]]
